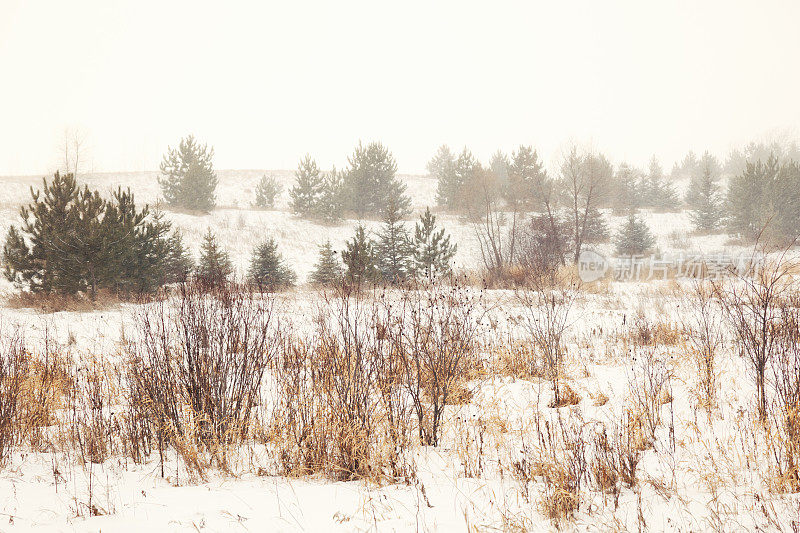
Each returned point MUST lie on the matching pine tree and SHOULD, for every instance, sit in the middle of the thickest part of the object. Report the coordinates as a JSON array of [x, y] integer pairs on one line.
[[179, 262], [432, 251], [452, 191], [215, 265], [658, 193], [267, 190], [703, 196], [634, 237], [501, 168], [188, 179], [359, 258], [441, 167], [371, 182], [72, 241], [524, 173], [136, 248], [331, 205], [308, 189], [328, 270], [628, 194], [393, 249], [763, 201], [268, 270]]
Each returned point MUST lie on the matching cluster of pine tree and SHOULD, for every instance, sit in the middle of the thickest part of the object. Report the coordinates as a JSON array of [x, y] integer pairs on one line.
[[366, 187], [634, 189], [71, 241], [394, 257]]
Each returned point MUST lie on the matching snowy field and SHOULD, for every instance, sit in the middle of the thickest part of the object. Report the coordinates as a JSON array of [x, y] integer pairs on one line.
[[706, 469]]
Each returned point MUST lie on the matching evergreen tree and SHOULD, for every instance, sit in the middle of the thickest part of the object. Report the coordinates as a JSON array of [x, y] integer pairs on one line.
[[328, 270], [359, 258], [215, 265], [331, 205], [627, 194], [501, 168], [71, 241], [432, 251], [308, 189], [703, 196], [188, 179], [136, 251], [268, 269], [267, 190], [371, 183], [658, 193], [393, 250], [179, 262], [634, 237], [764, 201], [690, 166], [524, 173], [442, 167], [453, 189]]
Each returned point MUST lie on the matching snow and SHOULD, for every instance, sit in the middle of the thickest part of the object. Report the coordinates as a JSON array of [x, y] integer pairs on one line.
[[708, 477]]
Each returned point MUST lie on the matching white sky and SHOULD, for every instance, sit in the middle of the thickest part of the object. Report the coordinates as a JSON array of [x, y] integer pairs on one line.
[[266, 82]]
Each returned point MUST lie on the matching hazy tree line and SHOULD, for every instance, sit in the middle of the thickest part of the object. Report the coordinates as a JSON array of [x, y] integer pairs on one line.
[[525, 216], [72, 240]]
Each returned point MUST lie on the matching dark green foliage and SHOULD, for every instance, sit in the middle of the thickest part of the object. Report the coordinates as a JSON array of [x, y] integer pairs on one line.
[[764, 201], [393, 250], [432, 251], [634, 237], [268, 270], [188, 179], [703, 196], [308, 189], [136, 250], [328, 270], [72, 241], [370, 182], [359, 258], [215, 265], [267, 189], [179, 263]]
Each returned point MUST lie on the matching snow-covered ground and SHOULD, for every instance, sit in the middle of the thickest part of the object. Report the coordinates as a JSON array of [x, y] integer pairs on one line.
[[705, 471]]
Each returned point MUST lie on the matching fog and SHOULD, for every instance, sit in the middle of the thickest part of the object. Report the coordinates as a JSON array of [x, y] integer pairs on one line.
[[265, 83]]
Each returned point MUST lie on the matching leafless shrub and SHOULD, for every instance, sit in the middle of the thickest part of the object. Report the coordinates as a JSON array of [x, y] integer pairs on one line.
[[198, 365], [549, 307], [558, 457], [617, 451], [785, 407], [752, 307], [704, 325], [91, 421], [342, 407], [649, 384], [13, 369], [647, 333], [437, 342]]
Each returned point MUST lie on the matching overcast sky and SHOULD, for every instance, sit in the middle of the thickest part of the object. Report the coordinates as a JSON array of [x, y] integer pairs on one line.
[[266, 82]]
